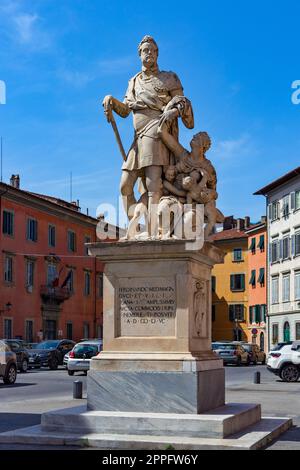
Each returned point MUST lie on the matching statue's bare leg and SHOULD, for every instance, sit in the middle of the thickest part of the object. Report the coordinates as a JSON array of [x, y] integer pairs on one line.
[[154, 187], [128, 180]]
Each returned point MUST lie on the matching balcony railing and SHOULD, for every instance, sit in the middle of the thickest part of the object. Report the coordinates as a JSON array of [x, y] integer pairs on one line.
[[54, 294]]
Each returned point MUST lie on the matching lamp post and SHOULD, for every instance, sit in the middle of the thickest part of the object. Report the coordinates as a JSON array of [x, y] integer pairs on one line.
[[7, 308]]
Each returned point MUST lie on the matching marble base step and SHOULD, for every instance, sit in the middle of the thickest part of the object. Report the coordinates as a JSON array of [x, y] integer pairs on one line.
[[257, 436], [219, 423]]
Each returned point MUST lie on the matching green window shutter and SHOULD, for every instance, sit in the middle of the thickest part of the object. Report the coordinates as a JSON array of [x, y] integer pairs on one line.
[[231, 313], [243, 281], [251, 314], [261, 244], [252, 278], [261, 279], [253, 244], [232, 284], [257, 313]]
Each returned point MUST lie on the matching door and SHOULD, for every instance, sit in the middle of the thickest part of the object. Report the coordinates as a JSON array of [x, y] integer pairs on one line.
[[50, 329], [286, 332], [262, 341]]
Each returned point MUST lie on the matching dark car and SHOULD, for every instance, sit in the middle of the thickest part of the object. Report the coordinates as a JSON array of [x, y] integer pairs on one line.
[[50, 353], [8, 364], [22, 353]]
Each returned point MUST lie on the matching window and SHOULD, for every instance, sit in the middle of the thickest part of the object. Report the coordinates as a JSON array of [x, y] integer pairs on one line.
[[71, 241], [275, 331], [100, 285], [51, 236], [237, 282], [51, 275], [297, 331], [86, 330], [86, 250], [252, 281], [253, 246], [237, 255], [8, 223], [286, 205], [257, 314], [8, 270], [286, 247], [29, 274], [297, 200], [274, 211], [237, 334], [261, 277], [87, 283], [29, 331], [213, 313], [297, 286], [275, 251], [7, 328], [275, 290], [286, 288], [297, 244], [69, 330], [237, 312], [261, 243], [32, 230], [251, 314], [70, 282], [99, 331]]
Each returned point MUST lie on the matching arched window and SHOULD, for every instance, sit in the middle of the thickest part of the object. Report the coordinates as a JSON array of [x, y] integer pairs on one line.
[[262, 341], [286, 332]]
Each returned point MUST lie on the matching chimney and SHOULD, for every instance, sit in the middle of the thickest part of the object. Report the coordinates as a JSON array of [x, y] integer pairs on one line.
[[263, 219], [240, 223], [228, 222], [247, 222], [15, 181]]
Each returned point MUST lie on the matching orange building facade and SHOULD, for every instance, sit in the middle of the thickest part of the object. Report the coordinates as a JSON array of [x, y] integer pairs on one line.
[[257, 292], [49, 287]]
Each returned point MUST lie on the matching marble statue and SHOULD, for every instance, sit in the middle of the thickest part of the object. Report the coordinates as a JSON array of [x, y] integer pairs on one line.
[[169, 176]]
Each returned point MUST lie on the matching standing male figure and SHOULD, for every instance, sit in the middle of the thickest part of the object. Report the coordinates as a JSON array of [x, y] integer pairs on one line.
[[148, 94]]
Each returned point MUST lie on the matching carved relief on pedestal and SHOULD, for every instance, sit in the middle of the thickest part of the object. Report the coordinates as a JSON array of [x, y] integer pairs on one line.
[[200, 309]]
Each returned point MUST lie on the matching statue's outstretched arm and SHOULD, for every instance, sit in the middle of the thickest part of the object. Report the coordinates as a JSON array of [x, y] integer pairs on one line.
[[176, 148]]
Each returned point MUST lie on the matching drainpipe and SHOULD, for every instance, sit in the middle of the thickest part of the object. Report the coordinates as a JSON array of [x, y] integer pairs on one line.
[[95, 297], [1, 219]]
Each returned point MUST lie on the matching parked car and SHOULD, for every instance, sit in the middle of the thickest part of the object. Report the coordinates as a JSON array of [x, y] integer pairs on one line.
[[19, 348], [285, 362], [232, 353], [81, 354], [256, 354], [8, 364], [50, 353]]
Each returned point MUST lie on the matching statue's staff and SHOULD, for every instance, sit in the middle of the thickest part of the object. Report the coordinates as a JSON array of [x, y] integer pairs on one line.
[[110, 118]]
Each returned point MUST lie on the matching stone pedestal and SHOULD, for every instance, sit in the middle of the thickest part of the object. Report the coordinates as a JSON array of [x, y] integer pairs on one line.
[[157, 330]]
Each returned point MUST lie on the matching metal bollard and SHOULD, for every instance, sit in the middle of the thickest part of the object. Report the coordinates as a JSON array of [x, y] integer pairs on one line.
[[257, 377], [77, 389]]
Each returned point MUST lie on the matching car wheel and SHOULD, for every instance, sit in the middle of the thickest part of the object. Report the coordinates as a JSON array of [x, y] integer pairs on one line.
[[24, 366], [70, 372], [53, 364], [10, 375], [289, 373]]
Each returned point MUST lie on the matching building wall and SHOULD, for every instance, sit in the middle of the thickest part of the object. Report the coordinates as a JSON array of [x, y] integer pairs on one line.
[[26, 305], [284, 226], [223, 297], [257, 296]]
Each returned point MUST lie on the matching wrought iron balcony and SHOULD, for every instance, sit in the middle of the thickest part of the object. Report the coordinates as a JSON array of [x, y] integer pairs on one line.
[[54, 294]]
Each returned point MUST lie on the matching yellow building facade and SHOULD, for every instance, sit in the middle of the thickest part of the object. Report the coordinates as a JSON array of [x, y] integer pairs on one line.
[[230, 287]]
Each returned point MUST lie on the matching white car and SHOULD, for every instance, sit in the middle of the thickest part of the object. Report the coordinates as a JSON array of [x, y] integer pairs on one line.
[[81, 355], [284, 361]]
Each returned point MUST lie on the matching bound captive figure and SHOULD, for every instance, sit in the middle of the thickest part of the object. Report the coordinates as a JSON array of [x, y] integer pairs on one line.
[[148, 95]]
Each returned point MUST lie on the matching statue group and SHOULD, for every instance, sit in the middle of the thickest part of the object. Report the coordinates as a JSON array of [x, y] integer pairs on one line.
[[172, 181]]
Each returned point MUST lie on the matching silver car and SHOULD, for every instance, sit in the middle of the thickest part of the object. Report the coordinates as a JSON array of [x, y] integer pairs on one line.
[[81, 355], [8, 364]]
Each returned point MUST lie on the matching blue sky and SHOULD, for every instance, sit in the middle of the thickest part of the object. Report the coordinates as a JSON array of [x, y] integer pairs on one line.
[[236, 60]]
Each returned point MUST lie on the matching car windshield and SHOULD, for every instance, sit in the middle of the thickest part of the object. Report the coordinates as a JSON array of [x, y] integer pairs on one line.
[[46, 345]]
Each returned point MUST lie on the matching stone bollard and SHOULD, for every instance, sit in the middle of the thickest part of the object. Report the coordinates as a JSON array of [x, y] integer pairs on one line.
[[77, 389], [257, 377]]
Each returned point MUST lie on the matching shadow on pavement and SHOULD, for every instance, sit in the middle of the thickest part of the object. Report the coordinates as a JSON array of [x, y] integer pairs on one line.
[[17, 385], [11, 421]]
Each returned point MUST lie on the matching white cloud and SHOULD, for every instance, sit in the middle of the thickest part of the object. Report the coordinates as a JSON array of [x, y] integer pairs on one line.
[[25, 27], [234, 148]]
